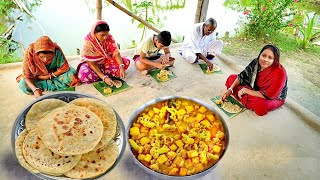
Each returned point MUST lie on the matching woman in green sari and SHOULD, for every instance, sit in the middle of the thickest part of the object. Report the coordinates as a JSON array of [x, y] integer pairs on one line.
[[45, 68]]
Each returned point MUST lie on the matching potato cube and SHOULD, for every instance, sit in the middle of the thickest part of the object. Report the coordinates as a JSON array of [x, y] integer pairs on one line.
[[216, 149], [134, 131], [144, 140], [210, 117], [200, 117], [179, 161], [220, 135], [199, 167], [183, 171], [151, 113], [192, 153], [179, 143], [195, 160], [154, 167], [189, 109], [156, 110], [173, 147], [162, 158], [206, 123], [136, 125], [173, 171], [202, 109], [182, 112], [182, 129], [141, 157], [147, 157], [188, 163], [171, 155]]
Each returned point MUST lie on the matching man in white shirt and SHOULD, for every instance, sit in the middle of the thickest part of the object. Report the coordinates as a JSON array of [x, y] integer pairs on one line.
[[201, 43]]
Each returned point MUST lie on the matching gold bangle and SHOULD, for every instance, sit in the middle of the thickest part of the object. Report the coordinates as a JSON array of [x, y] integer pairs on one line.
[[104, 77]]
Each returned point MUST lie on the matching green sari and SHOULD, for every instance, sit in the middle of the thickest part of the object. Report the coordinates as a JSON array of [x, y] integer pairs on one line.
[[59, 83]]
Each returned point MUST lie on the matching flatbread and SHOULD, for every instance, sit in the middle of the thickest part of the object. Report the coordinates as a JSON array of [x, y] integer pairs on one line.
[[231, 108], [41, 109], [117, 83], [40, 157], [70, 130], [19, 153], [105, 113], [95, 162]]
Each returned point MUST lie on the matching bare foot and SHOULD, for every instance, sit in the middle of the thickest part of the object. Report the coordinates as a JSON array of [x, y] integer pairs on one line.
[[144, 72], [210, 56]]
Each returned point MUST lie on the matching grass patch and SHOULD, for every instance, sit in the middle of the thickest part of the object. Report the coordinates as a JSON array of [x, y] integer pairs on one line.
[[6, 57]]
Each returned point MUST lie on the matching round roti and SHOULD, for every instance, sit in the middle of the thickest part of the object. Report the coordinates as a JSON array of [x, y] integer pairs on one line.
[[70, 130], [95, 162], [40, 157], [19, 153], [40, 110], [231, 108], [117, 83], [105, 113]]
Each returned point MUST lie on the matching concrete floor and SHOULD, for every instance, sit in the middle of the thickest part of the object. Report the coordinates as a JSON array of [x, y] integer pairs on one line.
[[285, 144]]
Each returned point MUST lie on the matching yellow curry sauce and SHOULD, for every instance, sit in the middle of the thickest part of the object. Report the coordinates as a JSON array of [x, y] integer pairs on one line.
[[177, 137]]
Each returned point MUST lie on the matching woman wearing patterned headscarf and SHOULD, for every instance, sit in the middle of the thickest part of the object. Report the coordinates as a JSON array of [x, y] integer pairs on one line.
[[262, 85], [45, 68], [101, 57]]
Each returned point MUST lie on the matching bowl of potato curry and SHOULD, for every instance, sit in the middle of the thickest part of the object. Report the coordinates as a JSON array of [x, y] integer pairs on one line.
[[177, 137]]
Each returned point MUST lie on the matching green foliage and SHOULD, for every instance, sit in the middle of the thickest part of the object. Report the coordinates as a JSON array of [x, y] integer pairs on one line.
[[307, 34], [7, 51], [263, 17]]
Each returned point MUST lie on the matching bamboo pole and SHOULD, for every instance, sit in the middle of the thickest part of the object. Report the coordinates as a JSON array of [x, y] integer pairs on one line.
[[99, 9], [201, 11], [136, 17]]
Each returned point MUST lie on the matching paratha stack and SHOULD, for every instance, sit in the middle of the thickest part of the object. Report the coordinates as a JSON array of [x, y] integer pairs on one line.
[[68, 139]]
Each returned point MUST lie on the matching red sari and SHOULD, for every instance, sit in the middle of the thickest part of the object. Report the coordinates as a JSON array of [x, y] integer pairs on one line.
[[271, 82]]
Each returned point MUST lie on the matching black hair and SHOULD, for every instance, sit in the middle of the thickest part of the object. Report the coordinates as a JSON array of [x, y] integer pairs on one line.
[[211, 22], [45, 52], [164, 38], [101, 27], [275, 50]]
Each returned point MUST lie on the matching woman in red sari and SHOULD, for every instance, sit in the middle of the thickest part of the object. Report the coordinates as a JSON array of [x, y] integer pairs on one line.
[[262, 85], [101, 57]]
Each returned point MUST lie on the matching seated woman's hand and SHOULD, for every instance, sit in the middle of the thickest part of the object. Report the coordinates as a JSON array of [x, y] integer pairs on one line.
[[45, 77], [37, 93], [241, 92], [225, 95], [109, 81], [122, 73]]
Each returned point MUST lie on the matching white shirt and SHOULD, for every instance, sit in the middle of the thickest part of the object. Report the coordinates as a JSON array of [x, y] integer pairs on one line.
[[196, 41]]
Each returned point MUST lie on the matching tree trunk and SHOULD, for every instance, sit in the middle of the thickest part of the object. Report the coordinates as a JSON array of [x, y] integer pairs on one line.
[[201, 12], [99, 9]]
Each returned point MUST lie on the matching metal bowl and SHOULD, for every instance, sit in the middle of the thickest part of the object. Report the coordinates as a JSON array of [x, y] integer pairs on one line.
[[19, 126], [164, 176]]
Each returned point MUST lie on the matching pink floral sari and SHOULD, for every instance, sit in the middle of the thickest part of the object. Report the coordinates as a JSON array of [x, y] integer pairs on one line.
[[103, 53]]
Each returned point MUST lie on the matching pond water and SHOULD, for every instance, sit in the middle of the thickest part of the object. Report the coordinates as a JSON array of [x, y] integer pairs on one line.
[[67, 22]]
